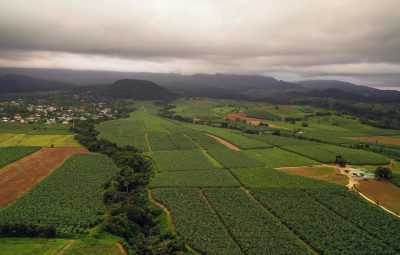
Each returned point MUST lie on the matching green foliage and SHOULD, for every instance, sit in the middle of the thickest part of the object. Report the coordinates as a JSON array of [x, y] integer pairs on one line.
[[70, 198], [195, 222], [206, 141], [371, 219], [269, 178], [170, 141], [262, 114], [255, 230], [327, 154], [31, 246], [205, 178], [11, 154], [383, 173], [322, 228], [182, 160], [277, 140], [234, 159], [276, 157]]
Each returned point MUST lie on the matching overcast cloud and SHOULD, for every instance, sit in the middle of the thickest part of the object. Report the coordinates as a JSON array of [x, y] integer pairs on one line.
[[356, 40]]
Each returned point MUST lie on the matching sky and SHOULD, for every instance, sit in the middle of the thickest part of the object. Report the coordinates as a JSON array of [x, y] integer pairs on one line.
[[351, 40]]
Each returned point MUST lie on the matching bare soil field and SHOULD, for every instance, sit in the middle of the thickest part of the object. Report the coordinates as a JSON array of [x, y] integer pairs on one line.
[[377, 139], [319, 172], [384, 193], [225, 142], [20, 176]]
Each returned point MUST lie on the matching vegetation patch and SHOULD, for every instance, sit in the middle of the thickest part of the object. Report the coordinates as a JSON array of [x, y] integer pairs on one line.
[[262, 177], [262, 114], [234, 159], [70, 198], [31, 246], [41, 140], [373, 220], [260, 232], [11, 154], [309, 219], [205, 178], [195, 221], [183, 160], [276, 157]]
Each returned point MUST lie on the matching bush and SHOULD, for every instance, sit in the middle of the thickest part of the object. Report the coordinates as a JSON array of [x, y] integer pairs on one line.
[[383, 173]]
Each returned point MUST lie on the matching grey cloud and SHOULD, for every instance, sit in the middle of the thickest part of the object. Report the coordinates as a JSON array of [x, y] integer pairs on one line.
[[305, 37]]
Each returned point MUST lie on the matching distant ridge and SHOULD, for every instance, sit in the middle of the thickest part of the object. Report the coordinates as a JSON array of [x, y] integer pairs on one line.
[[13, 83]]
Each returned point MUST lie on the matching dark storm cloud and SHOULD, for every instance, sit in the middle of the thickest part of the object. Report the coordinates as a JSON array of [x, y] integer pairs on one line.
[[303, 38]]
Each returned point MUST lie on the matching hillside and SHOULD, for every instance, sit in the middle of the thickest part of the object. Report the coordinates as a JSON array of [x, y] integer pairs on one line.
[[136, 89], [12, 83]]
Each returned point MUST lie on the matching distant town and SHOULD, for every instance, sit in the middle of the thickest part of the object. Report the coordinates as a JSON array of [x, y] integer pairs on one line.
[[51, 110]]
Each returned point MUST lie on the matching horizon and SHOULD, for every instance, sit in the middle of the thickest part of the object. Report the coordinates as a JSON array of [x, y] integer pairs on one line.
[[353, 41]]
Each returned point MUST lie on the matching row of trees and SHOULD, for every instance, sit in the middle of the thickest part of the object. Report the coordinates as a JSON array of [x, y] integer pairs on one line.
[[129, 212]]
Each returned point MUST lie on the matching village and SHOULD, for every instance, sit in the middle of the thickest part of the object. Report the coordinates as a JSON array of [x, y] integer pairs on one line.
[[52, 112]]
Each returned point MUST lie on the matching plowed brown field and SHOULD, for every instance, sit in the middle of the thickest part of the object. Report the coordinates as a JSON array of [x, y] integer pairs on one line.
[[17, 178], [377, 139], [383, 193]]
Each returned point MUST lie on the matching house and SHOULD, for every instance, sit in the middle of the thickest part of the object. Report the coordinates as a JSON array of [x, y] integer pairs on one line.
[[17, 117]]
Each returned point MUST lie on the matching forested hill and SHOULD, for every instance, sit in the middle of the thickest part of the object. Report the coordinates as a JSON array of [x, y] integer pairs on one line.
[[12, 83], [136, 89]]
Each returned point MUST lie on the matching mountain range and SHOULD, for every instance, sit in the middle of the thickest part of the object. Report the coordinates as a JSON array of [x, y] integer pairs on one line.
[[165, 85]]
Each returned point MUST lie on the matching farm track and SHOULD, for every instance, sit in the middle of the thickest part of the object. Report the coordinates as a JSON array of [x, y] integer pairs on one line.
[[224, 142], [121, 247], [146, 137], [66, 247], [169, 218], [20, 176], [304, 242], [210, 206], [371, 200]]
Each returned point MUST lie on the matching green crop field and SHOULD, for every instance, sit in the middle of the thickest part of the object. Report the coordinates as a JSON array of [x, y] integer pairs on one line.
[[206, 141], [262, 114], [37, 129], [260, 232], [327, 154], [234, 159], [170, 141], [70, 198], [185, 160], [201, 228], [322, 228], [11, 154], [276, 157], [205, 178], [263, 177], [31, 246], [279, 141], [363, 214], [41, 140]]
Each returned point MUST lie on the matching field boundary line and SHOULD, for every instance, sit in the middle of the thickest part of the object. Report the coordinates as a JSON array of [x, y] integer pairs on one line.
[[122, 249], [66, 247], [4, 168], [304, 242], [146, 137], [193, 141], [168, 215], [211, 207], [373, 202], [365, 230]]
